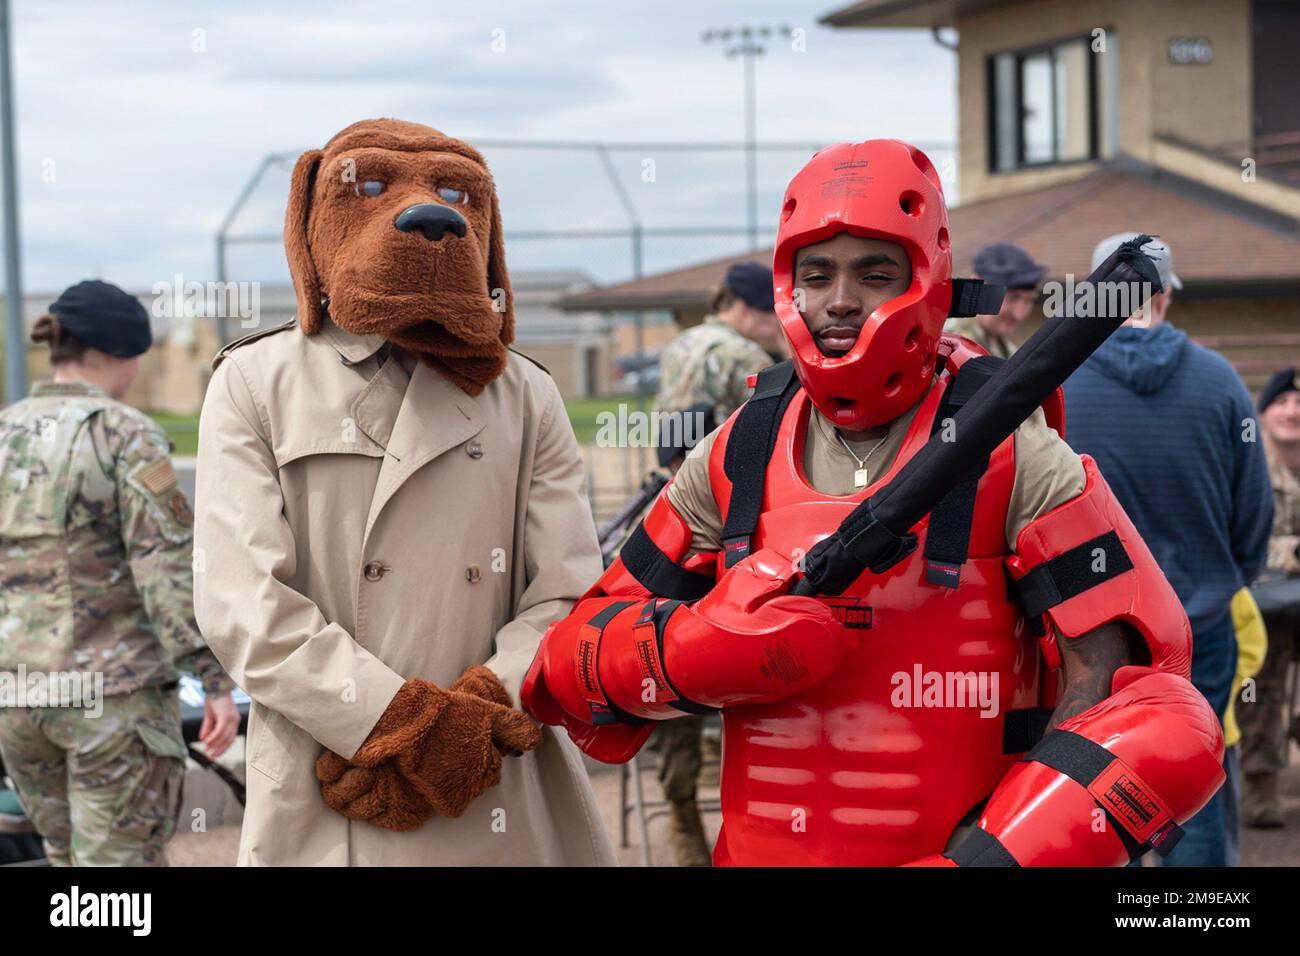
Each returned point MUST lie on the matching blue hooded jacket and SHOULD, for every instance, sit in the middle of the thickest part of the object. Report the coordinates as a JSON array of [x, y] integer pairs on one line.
[[1172, 428]]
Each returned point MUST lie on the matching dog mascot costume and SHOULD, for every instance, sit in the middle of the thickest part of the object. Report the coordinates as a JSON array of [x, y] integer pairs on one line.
[[390, 511], [824, 761]]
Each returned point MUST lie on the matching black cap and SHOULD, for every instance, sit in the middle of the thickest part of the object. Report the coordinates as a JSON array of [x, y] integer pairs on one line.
[[104, 317], [1005, 263], [752, 282], [1287, 380]]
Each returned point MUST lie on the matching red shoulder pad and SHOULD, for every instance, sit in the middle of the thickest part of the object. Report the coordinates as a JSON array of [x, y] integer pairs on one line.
[[1084, 564]]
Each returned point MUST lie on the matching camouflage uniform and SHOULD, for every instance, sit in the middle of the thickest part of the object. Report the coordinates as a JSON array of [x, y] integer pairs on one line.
[[95, 579], [970, 327], [710, 362], [1263, 723]]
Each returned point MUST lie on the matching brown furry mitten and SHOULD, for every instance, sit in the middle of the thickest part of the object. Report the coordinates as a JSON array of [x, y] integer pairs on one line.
[[378, 795], [448, 744]]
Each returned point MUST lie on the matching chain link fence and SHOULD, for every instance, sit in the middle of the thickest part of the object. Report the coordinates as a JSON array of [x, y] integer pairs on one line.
[[609, 211]]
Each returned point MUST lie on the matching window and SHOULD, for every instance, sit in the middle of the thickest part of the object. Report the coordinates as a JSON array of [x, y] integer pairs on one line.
[[1043, 105]]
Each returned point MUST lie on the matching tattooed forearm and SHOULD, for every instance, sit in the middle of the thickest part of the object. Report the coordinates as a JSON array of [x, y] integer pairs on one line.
[[1090, 661]]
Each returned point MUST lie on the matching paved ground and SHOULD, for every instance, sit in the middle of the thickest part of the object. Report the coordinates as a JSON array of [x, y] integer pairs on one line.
[[1277, 847], [218, 846]]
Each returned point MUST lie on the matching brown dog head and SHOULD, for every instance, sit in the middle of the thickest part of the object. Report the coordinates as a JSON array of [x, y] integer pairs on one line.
[[396, 229]]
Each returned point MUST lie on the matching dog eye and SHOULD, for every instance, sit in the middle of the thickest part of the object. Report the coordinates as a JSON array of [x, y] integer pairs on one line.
[[371, 187], [453, 196]]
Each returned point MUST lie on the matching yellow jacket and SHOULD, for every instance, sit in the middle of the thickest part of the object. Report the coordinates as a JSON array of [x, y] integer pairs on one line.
[[1252, 644]]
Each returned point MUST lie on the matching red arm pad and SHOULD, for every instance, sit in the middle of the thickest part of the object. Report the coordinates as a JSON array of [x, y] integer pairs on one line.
[[1107, 784], [746, 642], [1084, 564], [652, 552], [668, 534]]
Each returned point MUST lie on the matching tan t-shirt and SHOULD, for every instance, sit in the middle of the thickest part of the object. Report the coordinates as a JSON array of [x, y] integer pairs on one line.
[[1048, 473]]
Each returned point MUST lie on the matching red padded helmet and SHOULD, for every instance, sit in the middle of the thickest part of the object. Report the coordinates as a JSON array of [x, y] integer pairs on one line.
[[884, 189]]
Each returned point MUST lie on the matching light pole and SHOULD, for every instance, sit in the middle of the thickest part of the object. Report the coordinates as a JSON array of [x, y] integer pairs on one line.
[[15, 347], [747, 42]]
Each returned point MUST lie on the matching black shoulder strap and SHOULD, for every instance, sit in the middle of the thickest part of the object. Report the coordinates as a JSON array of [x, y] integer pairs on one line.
[[749, 448], [947, 542]]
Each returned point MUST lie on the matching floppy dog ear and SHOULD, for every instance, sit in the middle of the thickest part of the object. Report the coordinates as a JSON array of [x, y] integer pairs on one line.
[[301, 269], [498, 277]]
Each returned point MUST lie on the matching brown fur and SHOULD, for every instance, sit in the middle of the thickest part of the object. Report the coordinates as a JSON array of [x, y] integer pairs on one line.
[[379, 795], [435, 299], [432, 751]]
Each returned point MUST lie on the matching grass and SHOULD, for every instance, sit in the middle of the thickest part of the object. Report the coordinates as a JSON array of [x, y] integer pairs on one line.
[[183, 430], [583, 412]]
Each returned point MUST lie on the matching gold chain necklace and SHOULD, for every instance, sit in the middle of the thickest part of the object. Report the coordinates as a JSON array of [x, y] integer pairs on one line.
[[860, 476]]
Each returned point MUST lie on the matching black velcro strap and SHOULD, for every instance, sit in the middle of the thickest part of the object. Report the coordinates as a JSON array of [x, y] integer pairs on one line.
[[606, 614], [1071, 573], [981, 848], [662, 612], [834, 563], [610, 713], [660, 574], [947, 540], [1022, 729], [975, 297], [1080, 759], [1083, 761], [749, 449]]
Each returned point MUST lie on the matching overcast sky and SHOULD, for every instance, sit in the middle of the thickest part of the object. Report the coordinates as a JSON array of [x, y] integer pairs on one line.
[[139, 122]]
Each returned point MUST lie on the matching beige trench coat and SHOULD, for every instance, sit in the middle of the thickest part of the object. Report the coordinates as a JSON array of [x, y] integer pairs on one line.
[[351, 534]]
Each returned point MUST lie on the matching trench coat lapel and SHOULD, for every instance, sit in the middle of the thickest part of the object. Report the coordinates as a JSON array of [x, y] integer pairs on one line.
[[375, 409], [434, 416]]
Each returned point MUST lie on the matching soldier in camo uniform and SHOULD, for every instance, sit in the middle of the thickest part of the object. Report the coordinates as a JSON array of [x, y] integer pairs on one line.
[[1005, 264], [95, 588], [1267, 724], [709, 364]]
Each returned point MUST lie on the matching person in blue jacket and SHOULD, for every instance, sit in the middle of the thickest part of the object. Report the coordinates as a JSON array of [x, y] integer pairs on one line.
[[1172, 428]]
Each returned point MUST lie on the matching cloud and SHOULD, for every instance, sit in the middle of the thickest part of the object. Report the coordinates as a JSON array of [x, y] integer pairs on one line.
[[141, 122]]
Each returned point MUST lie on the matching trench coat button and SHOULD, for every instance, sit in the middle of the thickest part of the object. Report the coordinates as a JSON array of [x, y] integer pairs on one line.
[[375, 570], [472, 574], [474, 450]]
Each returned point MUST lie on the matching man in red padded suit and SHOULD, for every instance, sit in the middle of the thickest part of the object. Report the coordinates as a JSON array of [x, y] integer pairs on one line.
[[1014, 692]]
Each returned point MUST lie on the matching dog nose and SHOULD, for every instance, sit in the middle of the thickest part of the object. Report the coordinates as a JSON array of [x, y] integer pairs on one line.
[[432, 219]]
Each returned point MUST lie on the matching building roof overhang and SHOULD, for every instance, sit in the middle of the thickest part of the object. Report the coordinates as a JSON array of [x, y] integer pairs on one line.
[[1222, 247]]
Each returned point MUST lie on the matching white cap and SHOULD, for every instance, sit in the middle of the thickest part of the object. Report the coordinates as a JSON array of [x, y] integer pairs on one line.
[[1157, 249]]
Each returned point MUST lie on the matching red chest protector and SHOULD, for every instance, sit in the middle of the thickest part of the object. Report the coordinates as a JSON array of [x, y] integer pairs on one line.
[[880, 763]]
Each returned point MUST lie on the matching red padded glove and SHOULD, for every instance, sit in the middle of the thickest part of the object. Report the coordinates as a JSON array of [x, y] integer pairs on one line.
[[746, 642]]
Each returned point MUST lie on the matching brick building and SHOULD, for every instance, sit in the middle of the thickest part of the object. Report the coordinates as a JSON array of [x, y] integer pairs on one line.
[[1081, 118]]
